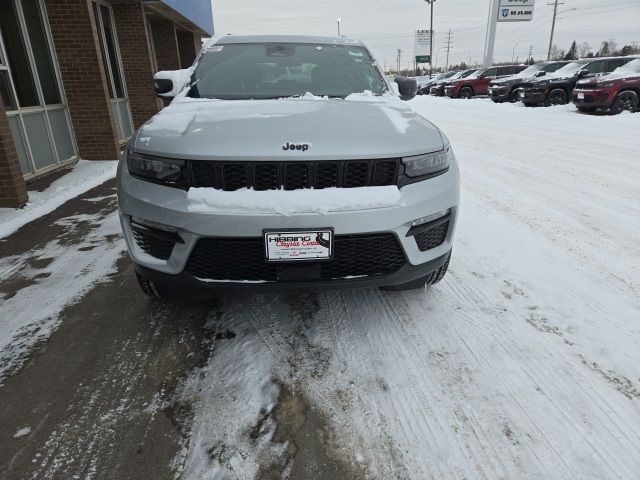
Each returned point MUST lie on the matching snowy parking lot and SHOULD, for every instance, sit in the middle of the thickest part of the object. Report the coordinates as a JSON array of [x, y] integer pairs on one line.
[[523, 363]]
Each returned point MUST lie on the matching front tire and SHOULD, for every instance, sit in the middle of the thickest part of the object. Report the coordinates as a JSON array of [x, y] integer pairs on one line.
[[556, 97], [428, 280], [514, 96], [152, 289], [466, 93], [626, 100]]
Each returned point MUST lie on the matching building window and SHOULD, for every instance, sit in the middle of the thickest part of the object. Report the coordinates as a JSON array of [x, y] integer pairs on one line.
[[112, 66], [17, 57], [41, 52], [31, 89]]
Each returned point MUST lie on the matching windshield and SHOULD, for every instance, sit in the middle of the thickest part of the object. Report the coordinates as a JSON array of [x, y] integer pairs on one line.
[[531, 70], [477, 73], [571, 68], [632, 67], [276, 70]]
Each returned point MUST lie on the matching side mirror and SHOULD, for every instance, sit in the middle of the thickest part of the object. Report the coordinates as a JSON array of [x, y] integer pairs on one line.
[[162, 86], [169, 83], [541, 73], [407, 87], [583, 73]]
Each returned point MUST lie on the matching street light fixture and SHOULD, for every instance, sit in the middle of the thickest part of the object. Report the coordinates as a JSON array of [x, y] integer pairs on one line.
[[513, 52]]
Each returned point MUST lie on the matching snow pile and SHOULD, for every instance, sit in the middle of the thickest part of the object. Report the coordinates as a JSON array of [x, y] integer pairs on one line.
[[84, 176], [287, 203]]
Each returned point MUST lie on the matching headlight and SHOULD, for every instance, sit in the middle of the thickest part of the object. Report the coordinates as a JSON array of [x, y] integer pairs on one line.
[[428, 164], [155, 169], [605, 85]]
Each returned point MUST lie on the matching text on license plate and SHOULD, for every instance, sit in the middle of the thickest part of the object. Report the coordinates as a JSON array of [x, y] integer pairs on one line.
[[580, 96], [287, 246]]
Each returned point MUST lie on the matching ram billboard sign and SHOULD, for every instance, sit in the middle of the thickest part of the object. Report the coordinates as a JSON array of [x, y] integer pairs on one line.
[[515, 10]]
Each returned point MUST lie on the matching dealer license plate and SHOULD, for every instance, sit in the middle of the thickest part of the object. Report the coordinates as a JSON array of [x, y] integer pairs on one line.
[[298, 245], [580, 96]]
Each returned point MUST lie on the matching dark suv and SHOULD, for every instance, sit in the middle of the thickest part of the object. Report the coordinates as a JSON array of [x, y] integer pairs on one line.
[[425, 87], [478, 82], [556, 88], [437, 88], [506, 89], [614, 93]]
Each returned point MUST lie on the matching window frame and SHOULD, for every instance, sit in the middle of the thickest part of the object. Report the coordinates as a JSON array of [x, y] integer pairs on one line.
[[43, 107]]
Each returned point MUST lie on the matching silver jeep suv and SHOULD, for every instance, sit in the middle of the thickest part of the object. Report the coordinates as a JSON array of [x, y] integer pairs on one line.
[[287, 161]]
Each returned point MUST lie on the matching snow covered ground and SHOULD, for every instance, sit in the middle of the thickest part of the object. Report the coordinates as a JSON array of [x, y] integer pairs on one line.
[[83, 177], [523, 363]]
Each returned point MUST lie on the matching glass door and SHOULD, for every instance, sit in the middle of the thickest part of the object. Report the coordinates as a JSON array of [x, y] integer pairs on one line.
[[31, 90], [112, 64]]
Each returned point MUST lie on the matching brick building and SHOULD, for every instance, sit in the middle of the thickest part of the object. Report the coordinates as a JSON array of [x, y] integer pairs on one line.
[[76, 77]]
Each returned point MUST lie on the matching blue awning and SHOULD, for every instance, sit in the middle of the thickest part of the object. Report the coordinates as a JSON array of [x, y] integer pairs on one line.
[[198, 12]]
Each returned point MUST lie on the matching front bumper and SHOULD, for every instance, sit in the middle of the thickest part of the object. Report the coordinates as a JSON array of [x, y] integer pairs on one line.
[[451, 92], [596, 98], [498, 93], [437, 90], [532, 95], [169, 207]]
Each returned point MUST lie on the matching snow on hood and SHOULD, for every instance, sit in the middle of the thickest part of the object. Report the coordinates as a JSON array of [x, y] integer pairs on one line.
[[287, 203], [360, 126]]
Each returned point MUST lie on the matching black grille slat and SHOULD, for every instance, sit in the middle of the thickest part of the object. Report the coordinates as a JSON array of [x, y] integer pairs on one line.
[[385, 172], [433, 237], [356, 174], [231, 176], [296, 176], [152, 245], [240, 259], [327, 175], [265, 176], [235, 175]]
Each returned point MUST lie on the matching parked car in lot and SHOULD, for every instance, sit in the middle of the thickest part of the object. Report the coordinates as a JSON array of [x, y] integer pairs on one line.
[[556, 88], [261, 174], [614, 93], [506, 89], [425, 87], [437, 89], [478, 82]]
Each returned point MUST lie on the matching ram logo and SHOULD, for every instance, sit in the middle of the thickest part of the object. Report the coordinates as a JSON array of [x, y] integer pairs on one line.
[[505, 12], [297, 146]]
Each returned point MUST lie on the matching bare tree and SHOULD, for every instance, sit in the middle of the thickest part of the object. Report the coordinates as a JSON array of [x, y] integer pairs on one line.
[[584, 49], [556, 53]]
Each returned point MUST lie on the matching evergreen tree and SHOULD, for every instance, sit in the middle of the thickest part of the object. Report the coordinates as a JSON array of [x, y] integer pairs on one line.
[[572, 54]]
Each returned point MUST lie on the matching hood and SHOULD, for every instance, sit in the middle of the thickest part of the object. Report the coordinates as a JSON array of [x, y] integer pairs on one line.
[[359, 127], [612, 77], [514, 78]]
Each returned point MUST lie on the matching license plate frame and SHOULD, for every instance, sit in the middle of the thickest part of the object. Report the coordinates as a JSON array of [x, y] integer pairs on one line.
[[298, 252], [580, 96]]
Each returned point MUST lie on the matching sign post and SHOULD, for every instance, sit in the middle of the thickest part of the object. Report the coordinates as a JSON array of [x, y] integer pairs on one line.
[[505, 11]]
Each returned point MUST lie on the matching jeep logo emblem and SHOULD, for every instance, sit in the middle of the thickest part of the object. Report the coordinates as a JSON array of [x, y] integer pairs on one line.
[[297, 146]]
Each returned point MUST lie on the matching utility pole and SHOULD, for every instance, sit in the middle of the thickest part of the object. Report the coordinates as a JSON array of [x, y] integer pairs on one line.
[[530, 59], [399, 56], [448, 42], [553, 25], [339, 20], [430, 3]]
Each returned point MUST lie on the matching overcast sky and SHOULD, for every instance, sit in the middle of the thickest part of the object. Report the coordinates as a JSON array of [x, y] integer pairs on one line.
[[386, 25]]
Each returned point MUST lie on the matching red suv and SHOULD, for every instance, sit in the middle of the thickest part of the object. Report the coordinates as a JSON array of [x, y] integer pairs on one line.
[[478, 82], [615, 92]]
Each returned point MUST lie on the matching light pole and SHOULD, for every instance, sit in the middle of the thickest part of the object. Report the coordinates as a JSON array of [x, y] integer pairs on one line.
[[430, 3], [513, 52], [553, 23], [339, 20]]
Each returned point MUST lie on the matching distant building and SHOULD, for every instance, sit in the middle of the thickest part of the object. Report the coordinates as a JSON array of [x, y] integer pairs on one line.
[[76, 77]]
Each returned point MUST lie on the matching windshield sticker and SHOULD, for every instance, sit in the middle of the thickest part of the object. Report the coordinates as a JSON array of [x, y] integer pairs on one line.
[[215, 48], [356, 53]]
